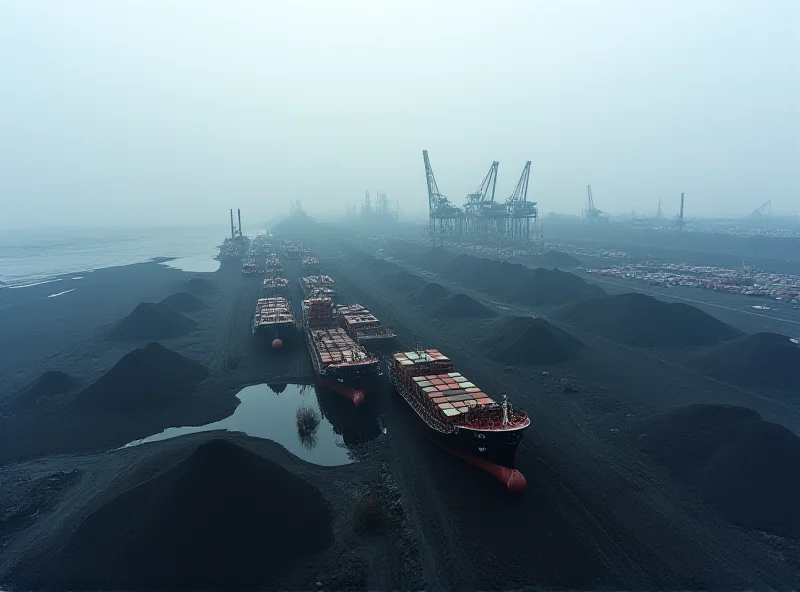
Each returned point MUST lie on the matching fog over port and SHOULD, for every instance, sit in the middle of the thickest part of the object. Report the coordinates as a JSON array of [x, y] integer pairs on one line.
[[150, 112]]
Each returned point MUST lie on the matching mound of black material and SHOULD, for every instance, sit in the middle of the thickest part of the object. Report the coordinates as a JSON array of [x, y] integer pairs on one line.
[[511, 281], [556, 259], [222, 518], [638, 319], [152, 321], [431, 293], [528, 340], [199, 285], [146, 378], [404, 281], [763, 360], [461, 306], [747, 467], [184, 302], [44, 388]]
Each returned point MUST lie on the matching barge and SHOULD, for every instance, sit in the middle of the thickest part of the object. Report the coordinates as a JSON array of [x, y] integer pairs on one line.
[[340, 363], [458, 416]]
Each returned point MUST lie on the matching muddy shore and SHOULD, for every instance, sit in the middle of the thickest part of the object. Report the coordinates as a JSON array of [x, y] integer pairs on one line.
[[597, 512]]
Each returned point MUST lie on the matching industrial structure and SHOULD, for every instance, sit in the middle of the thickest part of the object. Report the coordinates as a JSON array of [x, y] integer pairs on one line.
[[592, 213], [762, 212], [482, 219]]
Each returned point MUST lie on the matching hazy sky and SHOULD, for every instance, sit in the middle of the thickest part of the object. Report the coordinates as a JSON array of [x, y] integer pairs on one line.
[[174, 111]]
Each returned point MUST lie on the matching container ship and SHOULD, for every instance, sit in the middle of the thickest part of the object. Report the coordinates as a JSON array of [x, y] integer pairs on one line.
[[309, 263], [340, 363], [274, 319], [275, 285], [362, 325], [459, 416], [317, 286], [292, 251], [273, 265]]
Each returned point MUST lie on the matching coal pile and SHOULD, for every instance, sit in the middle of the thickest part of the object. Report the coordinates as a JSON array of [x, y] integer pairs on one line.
[[184, 302], [430, 293], [42, 390], [556, 259], [152, 321], [638, 319], [404, 281], [512, 281], [199, 285], [748, 468], [151, 377], [764, 360], [461, 306], [528, 340], [223, 518]]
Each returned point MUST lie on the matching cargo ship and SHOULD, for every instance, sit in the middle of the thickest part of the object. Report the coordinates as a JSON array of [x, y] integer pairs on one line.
[[363, 326], [275, 320], [317, 286], [309, 263], [459, 416], [291, 251], [275, 285], [273, 265], [340, 363]]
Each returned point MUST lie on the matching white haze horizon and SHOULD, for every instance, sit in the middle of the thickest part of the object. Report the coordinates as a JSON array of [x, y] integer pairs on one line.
[[126, 113]]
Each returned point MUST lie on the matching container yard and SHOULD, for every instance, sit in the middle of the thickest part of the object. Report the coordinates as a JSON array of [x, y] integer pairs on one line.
[[745, 281]]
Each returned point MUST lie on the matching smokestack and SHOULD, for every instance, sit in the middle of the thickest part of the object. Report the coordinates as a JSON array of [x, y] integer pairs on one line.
[[233, 233], [681, 206], [239, 211]]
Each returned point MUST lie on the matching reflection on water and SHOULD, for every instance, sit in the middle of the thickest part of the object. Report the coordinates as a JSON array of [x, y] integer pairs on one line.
[[264, 413], [307, 421]]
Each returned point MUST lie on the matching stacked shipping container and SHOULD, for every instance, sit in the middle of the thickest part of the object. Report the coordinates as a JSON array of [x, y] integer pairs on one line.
[[429, 376], [272, 311], [337, 348]]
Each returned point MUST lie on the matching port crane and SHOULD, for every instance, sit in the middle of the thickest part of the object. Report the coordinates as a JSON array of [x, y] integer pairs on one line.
[[520, 210], [449, 217], [763, 212], [592, 213]]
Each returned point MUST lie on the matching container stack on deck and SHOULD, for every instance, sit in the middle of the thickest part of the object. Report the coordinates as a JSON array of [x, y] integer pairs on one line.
[[361, 324], [318, 313], [276, 285], [309, 263], [272, 312], [317, 286]]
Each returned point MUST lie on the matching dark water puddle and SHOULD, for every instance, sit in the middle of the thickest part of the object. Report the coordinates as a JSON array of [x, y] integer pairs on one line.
[[312, 423]]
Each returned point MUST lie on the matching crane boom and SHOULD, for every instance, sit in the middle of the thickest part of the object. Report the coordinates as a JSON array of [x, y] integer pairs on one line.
[[521, 190]]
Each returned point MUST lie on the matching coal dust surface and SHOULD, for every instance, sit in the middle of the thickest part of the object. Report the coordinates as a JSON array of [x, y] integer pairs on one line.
[[184, 302], [150, 321], [763, 361], [748, 468], [48, 386], [529, 340], [200, 286], [461, 306], [641, 320], [404, 282], [152, 377], [222, 518]]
